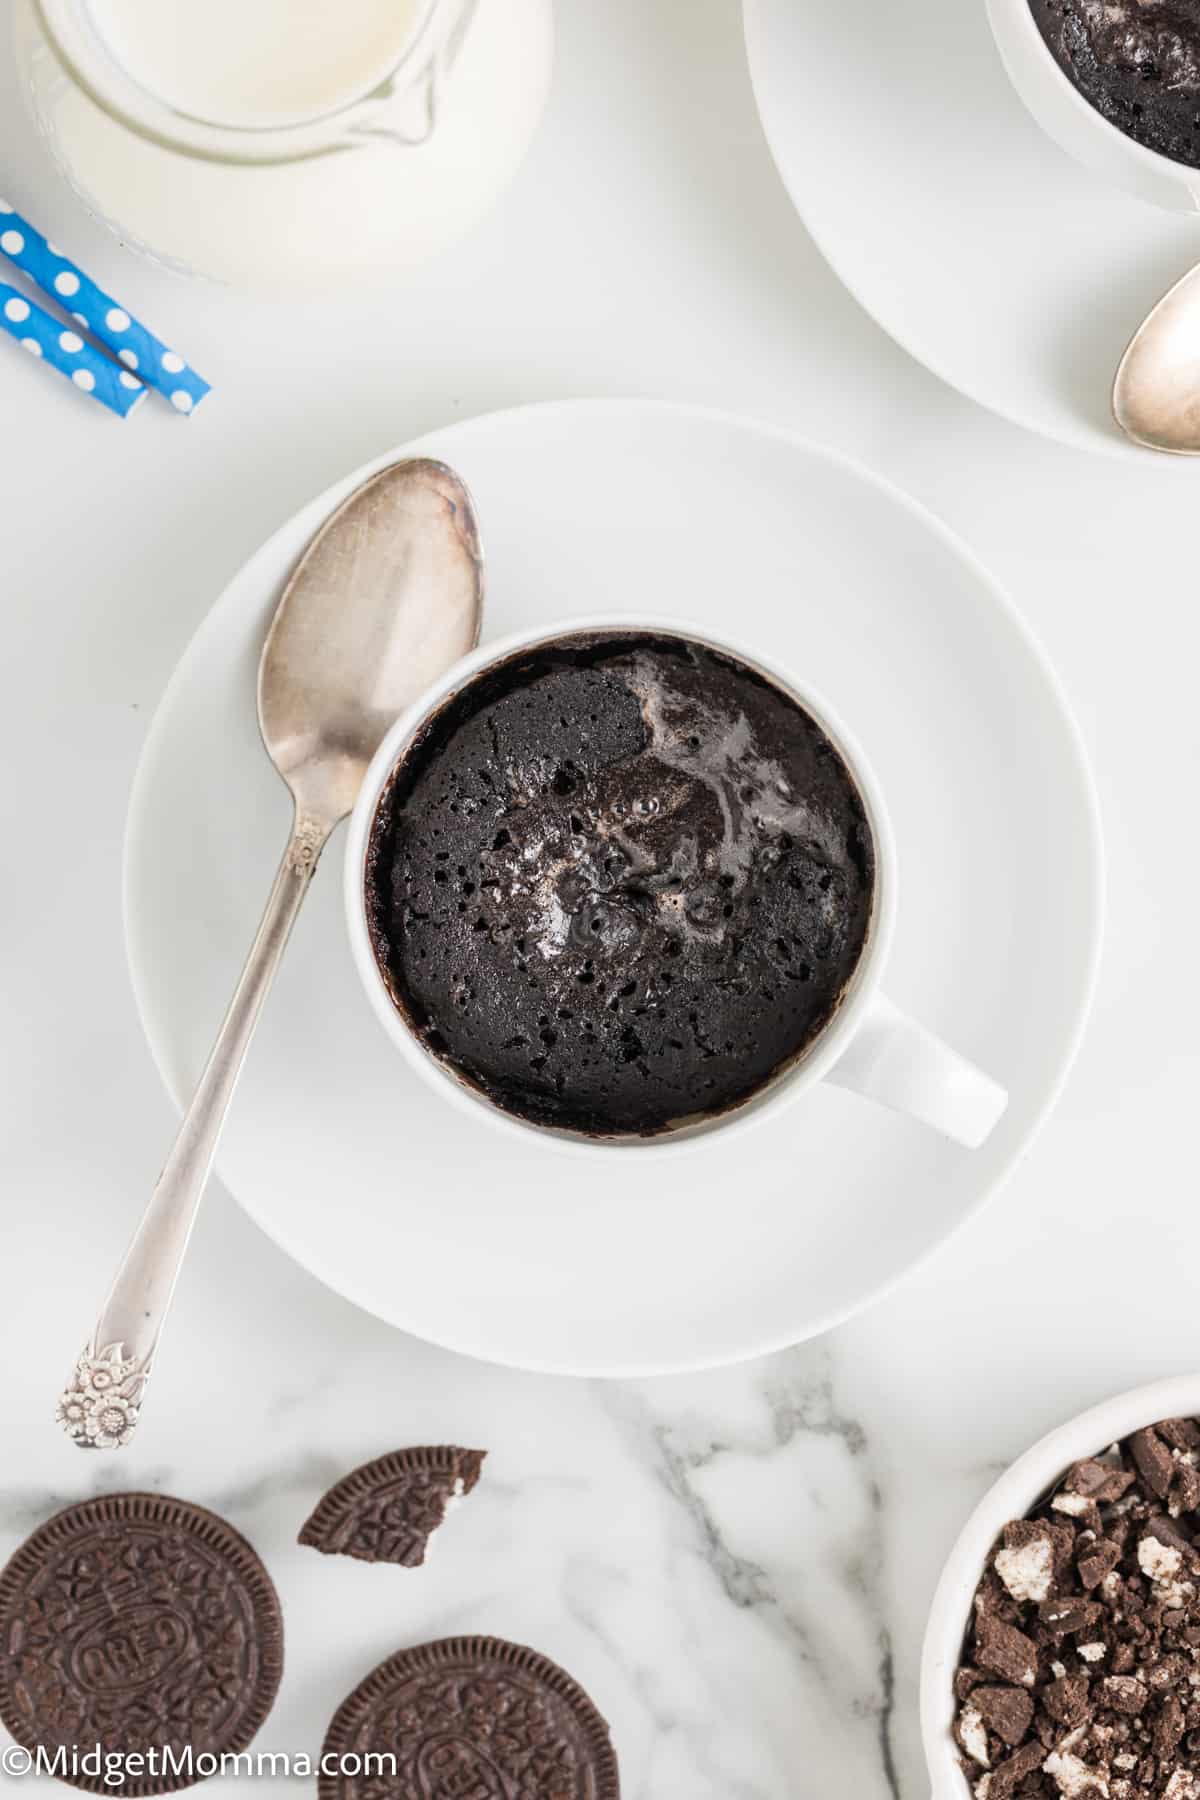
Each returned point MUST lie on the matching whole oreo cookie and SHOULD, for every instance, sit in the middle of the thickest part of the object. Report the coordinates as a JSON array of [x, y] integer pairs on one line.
[[387, 1510], [470, 1717], [137, 1623]]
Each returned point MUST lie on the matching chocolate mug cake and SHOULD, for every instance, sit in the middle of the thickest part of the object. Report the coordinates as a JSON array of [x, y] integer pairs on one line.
[[1137, 62], [618, 882]]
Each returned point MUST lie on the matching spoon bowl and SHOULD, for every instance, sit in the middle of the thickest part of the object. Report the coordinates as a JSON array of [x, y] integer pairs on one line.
[[385, 598], [1156, 394]]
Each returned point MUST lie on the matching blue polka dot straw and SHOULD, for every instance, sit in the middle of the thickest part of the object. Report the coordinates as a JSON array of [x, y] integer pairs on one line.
[[44, 336], [142, 356]]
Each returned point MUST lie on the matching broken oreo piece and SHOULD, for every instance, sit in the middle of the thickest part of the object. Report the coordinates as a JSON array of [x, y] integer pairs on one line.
[[1154, 1461], [1005, 1651], [387, 1510], [1008, 1711], [475, 1717], [137, 1623]]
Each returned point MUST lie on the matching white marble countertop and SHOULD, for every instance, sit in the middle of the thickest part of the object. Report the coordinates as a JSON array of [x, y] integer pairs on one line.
[[736, 1565]]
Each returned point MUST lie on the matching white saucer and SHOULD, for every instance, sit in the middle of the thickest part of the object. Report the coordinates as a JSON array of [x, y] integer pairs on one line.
[[987, 252], [446, 1227]]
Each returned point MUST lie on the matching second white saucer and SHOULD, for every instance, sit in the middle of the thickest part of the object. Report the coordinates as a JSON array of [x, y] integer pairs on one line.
[[987, 252]]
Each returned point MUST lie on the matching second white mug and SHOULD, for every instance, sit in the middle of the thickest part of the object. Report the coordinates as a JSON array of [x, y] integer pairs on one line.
[[1075, 124]]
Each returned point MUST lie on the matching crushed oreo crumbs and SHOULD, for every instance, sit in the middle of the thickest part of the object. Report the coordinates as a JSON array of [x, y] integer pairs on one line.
[[1080, 1676]]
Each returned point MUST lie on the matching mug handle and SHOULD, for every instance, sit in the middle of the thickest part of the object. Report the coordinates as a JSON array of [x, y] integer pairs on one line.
[[896, 1062]]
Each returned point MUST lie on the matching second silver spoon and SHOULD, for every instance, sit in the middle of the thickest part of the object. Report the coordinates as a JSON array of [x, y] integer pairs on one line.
[[1156, 394]]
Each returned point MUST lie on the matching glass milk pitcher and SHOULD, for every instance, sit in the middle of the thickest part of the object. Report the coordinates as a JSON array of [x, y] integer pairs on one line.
[[287, 143]]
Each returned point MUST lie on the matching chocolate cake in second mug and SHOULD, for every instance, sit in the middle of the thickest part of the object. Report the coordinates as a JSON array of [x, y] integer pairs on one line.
[[1116, 83]]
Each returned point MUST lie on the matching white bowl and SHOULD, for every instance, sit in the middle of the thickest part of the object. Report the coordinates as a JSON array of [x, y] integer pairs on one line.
[[1015, 1494]]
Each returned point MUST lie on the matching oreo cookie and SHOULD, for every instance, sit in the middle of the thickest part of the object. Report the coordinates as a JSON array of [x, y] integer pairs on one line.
[[137, 1624], [473, 1717], [387, 1510]]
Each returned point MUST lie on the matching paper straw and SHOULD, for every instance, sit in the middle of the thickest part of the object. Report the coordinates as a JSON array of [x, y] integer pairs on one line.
[[157, 365], [46, 337]]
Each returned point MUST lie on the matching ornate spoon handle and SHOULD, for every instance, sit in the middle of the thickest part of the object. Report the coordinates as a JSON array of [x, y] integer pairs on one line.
[[100, 1407]]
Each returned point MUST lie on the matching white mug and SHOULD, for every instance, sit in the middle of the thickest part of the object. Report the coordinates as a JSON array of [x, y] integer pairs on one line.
[[867, 1045], [1075, 124], [1017, 1492]]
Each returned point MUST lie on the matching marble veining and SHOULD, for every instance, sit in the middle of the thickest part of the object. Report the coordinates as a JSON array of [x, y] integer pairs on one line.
[[708, 1555]]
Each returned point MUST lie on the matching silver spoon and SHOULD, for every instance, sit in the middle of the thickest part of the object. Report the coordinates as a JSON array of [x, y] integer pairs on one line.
[[387, 596], [1156, 394]]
